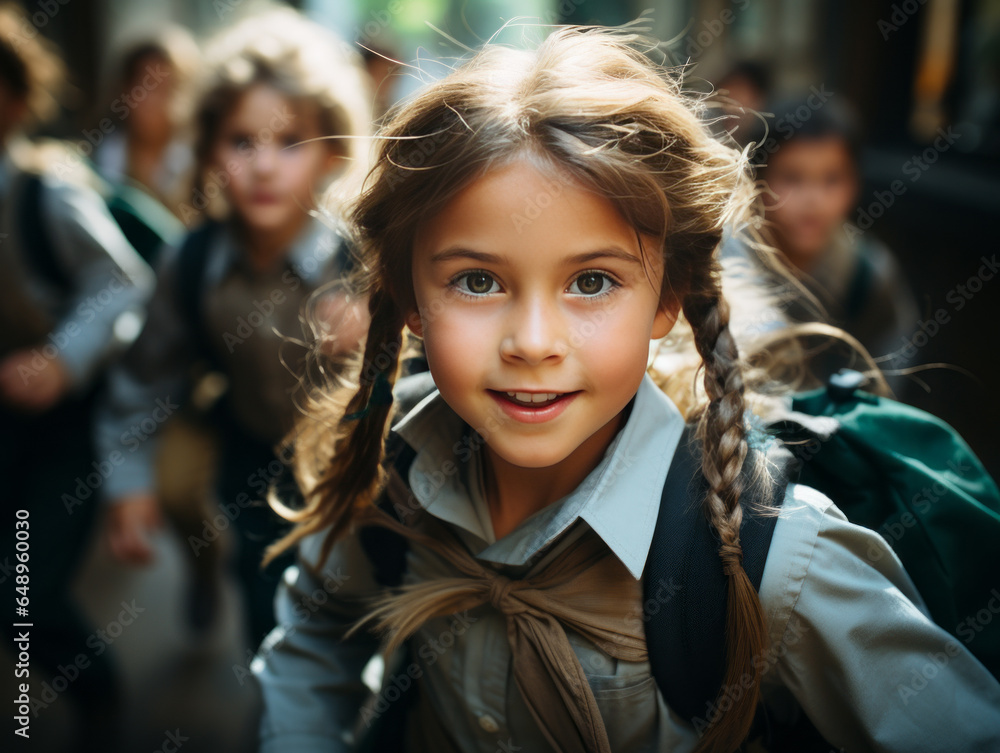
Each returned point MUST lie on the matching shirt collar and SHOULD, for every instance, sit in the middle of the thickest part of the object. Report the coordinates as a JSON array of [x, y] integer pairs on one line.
[[619, 499], [308, 257]]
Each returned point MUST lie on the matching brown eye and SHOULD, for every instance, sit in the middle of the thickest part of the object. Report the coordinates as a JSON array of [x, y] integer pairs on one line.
[[590, 283], [479, 283]]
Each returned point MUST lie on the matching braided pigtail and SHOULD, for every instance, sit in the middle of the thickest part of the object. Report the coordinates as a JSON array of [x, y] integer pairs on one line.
[[352, 479], [723, 437]]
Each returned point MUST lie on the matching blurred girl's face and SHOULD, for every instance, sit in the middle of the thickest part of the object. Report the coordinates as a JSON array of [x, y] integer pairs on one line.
[[270, 177]]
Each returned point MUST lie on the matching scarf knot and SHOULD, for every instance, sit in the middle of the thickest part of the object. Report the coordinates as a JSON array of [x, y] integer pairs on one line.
[[500, 595]]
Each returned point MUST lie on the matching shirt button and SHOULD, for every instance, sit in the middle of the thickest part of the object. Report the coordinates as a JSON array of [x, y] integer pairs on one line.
[[488, 723]]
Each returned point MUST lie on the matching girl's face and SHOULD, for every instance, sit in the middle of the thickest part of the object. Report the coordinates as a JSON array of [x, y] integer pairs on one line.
[[536, 312], [269, 177]]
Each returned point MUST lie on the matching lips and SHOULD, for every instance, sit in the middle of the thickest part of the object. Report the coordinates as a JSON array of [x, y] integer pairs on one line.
[[532, 407]]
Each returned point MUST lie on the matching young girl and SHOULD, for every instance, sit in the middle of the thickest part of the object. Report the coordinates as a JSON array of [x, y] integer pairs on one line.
[[538, 218], [230, 296]]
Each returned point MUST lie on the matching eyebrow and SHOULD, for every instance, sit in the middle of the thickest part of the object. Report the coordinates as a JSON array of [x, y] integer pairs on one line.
[[612, 252]]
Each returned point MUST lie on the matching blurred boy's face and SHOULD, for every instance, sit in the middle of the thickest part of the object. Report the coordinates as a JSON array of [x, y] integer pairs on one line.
[[272, 177], [151, 96], [536, 327], [816, 186]]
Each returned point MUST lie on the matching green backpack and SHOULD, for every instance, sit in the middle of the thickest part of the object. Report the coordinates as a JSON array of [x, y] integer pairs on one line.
[[909, 476]]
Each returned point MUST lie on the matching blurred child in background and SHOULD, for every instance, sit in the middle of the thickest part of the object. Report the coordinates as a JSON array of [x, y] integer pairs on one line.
[[146, 158], [741, 95], [809, 163], [230, 296], [72, 295]]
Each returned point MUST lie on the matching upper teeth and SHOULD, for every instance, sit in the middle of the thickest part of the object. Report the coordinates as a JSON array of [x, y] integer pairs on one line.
[[533, 397]]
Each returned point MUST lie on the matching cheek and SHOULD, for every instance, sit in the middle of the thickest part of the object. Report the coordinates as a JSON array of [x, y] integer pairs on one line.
[[614, 341], [451, 336], [843, 197], [458, 354], [229, 161], [238, 185], [221, 156], [156, 105], [307, 168], [778, 206], [790, 213]]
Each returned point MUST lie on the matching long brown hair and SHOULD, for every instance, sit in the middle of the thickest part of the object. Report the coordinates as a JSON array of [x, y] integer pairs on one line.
[[591, 103]]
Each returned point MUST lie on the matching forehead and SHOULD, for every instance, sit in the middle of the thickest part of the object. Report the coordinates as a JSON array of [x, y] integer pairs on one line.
[[138, 64], [812, 154], [521, 207], [266, 106]]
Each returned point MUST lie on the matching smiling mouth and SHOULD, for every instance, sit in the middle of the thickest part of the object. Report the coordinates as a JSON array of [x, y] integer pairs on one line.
[[532, 399]]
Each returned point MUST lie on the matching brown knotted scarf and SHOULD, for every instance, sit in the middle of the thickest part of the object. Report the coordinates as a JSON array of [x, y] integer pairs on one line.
[[586, 588]]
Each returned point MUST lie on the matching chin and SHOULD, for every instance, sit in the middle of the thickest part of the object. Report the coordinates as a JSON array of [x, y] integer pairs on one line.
[[810, 250], [523, 455], [266, 219]]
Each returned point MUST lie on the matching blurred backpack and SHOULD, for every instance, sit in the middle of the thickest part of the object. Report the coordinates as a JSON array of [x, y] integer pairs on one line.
[[145, 224], [43, 258]]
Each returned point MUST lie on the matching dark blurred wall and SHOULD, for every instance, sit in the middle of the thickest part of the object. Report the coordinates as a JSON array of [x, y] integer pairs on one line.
[[945, 221], [77, 28]]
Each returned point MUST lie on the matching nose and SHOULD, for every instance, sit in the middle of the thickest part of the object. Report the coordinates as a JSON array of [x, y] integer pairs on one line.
[[536, 332], [814, 192], [265, 159]]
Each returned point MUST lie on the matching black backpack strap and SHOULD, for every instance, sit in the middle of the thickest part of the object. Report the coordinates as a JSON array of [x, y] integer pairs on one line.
[[385, 548], [684, 587], [861, 285], [37, 245], [189, 280]]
